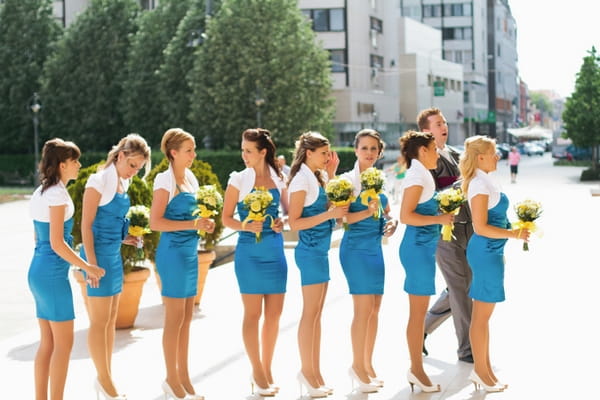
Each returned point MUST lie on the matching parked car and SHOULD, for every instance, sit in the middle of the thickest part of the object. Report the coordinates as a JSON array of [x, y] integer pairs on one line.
[[530, 149], [571, 152], [502, 149]]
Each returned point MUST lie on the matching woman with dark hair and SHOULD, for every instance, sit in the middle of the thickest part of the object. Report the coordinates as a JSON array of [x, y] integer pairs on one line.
[[310, 215], [260, 267], [172, 213], [361, 257], [52, 210], [103, 229], [419, 211]]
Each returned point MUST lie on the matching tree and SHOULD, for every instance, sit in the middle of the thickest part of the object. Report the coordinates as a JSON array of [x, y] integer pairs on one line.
[[143, 101], [582, 109], [83, 80], [22, 56], [260, 61], [542, 102], [179, 61]]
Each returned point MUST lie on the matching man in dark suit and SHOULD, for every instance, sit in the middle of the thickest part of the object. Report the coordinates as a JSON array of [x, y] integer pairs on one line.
[[450, 256]]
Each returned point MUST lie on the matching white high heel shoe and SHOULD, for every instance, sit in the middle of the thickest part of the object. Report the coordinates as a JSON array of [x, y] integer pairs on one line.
[[100, 389], [312, 391], [169, 392], [363, 387], [413, 380], [189, 396], [477, 381], [264, 392]]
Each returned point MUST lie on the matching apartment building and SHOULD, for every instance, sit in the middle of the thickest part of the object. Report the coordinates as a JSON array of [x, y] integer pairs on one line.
[[66, 11]]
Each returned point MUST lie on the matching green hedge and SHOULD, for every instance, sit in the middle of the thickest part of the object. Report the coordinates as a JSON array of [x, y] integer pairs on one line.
[[18, 169]]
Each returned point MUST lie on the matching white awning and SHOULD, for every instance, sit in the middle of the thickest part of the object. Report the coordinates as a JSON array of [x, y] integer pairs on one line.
[[531, 132]]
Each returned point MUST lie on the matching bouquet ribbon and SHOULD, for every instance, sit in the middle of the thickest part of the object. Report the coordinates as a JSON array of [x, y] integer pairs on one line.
[[203, 212], [367, 195], [448, 229], [341, 203], [253, 216], [529, 225]]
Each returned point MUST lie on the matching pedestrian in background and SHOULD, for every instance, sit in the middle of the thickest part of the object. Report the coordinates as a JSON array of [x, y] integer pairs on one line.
[[172, 213], [103, 230], [485, 251], [52, 210], [419, 211], [514, 157], [260, 267]]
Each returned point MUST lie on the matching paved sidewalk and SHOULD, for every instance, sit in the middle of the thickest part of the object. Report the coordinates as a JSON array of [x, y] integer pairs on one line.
[[541, 342]]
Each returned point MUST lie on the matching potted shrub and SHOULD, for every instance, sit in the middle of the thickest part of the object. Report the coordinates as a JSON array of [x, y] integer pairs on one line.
[[135, 272], [206, 254]]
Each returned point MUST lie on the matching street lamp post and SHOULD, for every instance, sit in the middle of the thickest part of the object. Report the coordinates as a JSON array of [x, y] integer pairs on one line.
[[258, 101], [35, 108]]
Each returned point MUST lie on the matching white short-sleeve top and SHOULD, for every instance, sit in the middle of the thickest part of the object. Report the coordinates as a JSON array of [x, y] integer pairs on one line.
[[56, 195], [105, 182], [418, 175], [244, 181], [306, 181], [166, 180], [354, 177], [482, 183]]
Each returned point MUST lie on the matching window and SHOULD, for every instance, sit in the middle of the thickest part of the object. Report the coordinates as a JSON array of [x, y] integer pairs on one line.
[[457, 10], [327, 19], [148, 4], [498, 52], [338, 60], [432, 10], [376, 61], [457, 33], [377, 24]]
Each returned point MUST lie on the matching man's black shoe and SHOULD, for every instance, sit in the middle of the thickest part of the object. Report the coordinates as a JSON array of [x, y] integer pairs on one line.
[[467, 359], [425, 352]]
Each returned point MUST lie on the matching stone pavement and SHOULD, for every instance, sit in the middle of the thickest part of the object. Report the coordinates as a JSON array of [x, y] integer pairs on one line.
[[542, 344]]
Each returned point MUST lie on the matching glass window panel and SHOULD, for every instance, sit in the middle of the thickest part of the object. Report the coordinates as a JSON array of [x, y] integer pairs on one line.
[[336, 19], [321, 20]]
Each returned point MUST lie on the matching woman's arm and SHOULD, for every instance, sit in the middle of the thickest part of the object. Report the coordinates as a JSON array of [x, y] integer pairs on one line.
[[60, 247], [298, 223], [358, 216], [479, 216], [229, 203], [91, 201], [408, 214]]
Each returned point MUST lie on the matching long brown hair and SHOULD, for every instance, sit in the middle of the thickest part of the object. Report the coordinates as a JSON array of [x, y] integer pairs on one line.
[[262, 138], [411, 142], [54, 152], [307, 141]]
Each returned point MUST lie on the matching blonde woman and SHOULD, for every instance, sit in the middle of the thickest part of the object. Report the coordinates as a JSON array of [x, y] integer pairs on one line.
[[485, 251], [173, 203], [310, 215], [103, 229]]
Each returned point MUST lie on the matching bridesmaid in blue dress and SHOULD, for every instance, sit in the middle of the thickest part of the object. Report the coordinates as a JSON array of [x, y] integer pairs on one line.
[[260, 268], [52, 209], [361, 257], [419, 211], [103, 229], [173, 203], [485, 250], [310, 215]]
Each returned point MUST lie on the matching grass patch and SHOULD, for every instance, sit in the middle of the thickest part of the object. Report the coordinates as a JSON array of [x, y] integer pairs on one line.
[[574, 163], [13, 193]]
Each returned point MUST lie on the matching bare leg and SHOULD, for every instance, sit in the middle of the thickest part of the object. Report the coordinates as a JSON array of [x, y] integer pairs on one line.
[[415, 330], [252, 314], [184, 344], [270, 331], [62, 334], [42, 360], [174, 319], [480, 340], [309, 331], [363, 308], [101, 339], [372, 335]]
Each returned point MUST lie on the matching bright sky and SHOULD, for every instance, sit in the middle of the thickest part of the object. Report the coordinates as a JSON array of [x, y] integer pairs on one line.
[[552, 39]]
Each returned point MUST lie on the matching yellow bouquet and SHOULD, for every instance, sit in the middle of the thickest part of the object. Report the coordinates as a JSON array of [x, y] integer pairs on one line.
[[450, 201], [209, 203], [340, 192], [527, 211], [256, 203], [371, 181], [139, 225]]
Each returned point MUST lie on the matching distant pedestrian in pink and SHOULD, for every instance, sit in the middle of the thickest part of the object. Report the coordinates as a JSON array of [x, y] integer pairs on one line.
[[513, 160]]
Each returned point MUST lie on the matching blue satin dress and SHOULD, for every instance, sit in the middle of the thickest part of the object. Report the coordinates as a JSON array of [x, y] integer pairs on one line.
[[48, 276], [311, 253], [261, 268], [486, 258], [110, 228], [417, 252], [361, 255], [177, 252]]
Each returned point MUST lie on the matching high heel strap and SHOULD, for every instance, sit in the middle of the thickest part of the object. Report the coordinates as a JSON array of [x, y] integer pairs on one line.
[[413, 380]]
